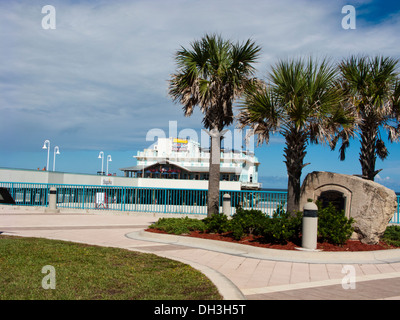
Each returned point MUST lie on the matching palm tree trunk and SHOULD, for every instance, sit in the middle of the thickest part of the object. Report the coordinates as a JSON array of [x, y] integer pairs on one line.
[[294, 155], [369, 134], [214, 175]]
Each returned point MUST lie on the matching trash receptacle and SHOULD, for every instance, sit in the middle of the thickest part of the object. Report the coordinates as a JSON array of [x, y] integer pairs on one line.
[[310, 226], [52, 208], [226, 205]]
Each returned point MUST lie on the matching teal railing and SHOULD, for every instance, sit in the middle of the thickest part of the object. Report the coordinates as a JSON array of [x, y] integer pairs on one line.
[[396, 217], [141, 199]]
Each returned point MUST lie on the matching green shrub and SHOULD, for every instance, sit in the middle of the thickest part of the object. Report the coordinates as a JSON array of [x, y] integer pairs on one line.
[[217, 223], [247, 222], [392, 236], [283, 227], [237, 231], [280, 228], [333, 226], [178, 225]]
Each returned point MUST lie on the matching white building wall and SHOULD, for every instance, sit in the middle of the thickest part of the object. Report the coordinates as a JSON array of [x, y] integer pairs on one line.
[[185, 184], [34, 176], [29, 176]]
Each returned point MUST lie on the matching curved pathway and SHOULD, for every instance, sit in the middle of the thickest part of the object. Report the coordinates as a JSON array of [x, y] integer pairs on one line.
[[237, 270]]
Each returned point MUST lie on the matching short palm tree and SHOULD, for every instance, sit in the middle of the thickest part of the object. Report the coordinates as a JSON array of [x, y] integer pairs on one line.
[[372, 90], [301, 101], [211, 75]]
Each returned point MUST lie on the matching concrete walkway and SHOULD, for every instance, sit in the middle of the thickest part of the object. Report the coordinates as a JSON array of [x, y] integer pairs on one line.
[[239, 271]]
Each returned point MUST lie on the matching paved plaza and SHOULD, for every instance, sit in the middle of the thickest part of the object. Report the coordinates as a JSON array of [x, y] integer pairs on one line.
[[238, 271]]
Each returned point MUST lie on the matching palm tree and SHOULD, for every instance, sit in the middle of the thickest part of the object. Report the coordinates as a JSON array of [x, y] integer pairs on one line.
[[372, 90], [301, 101], [211, 75]]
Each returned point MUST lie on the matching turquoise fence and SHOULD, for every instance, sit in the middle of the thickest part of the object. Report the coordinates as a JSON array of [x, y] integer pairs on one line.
[[396, 217], [140, 199]]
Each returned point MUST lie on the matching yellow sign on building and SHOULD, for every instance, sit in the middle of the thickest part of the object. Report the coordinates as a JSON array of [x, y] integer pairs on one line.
[[180, 140]]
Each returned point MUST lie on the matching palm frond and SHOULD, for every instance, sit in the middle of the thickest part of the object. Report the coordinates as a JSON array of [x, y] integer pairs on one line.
[[372, 91], [211, 75]]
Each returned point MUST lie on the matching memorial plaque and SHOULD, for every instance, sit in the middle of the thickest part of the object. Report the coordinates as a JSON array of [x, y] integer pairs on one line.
[[334, 197]]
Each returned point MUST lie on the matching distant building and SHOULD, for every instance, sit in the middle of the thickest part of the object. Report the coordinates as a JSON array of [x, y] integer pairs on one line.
[[169, 163], [172, 158]]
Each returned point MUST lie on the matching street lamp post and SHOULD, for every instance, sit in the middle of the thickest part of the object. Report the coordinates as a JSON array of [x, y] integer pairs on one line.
[[47, 142], [108, 159], [56, 151], [101, 156]]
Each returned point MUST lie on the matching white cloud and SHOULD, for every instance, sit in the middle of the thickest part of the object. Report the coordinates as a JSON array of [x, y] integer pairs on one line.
[[378, 178], [101, 77]]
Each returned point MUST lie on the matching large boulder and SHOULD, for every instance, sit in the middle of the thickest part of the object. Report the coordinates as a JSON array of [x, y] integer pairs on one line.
[[370, 204]]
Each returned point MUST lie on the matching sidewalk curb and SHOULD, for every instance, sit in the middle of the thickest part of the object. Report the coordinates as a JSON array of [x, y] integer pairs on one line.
[[365, 257]]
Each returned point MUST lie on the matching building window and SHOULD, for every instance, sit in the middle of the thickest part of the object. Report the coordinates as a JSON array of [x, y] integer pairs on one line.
[[225, 177]]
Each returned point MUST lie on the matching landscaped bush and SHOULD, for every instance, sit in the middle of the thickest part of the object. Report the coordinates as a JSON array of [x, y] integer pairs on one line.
[[247, 222], [178, 225], [283, 227], [217, 223], [392, 236], [333, 225], [243, 222], [280, 228]]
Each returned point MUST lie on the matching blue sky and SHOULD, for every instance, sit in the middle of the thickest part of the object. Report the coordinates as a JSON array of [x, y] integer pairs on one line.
[[98, 82]]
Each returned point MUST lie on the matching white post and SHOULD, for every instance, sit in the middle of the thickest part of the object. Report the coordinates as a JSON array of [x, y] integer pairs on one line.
[[48, 152], [310, 226], [108, 159], [56, 151], [101, 156], [226, 205], [52, 208]]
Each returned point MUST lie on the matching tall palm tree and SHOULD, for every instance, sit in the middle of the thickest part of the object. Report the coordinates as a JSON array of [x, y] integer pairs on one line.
[[211, 75], [301, 101], [372, 89]]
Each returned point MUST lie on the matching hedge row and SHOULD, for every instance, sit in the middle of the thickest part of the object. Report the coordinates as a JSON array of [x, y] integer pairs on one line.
[[282, 227]]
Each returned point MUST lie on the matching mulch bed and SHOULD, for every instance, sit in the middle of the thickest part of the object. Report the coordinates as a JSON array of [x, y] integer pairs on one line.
[[350, 245]]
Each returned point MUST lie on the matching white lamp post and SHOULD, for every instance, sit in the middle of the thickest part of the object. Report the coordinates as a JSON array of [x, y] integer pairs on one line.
[[108, 159], [47, 142], [56, 151], [101, 156]]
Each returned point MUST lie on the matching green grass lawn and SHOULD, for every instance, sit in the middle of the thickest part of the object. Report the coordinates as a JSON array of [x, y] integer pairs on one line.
[[94, 273]]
